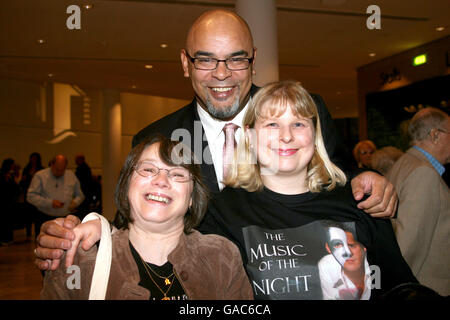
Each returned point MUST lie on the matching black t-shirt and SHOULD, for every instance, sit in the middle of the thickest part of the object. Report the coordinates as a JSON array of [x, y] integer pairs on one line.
[[173, 288], [283, 241]]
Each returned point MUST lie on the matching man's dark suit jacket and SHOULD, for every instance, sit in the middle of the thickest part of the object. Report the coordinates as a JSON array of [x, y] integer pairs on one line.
[[186, 116]]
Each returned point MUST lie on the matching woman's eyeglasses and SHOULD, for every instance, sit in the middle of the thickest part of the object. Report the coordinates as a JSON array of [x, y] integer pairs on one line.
[[363, 152], [147, 169]]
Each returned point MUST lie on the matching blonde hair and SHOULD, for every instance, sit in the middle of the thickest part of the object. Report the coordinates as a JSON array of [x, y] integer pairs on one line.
[[245, 171]]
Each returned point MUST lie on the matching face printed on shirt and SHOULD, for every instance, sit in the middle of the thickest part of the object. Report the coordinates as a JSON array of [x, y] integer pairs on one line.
[[337, 245], [358, 255]]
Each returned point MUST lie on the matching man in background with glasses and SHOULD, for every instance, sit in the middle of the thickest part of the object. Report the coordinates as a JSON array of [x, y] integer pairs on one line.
[[219, 57]]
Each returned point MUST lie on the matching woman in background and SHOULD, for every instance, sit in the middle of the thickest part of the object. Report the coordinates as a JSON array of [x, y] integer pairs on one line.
[[29, 211], [362, 153], [9, 196]]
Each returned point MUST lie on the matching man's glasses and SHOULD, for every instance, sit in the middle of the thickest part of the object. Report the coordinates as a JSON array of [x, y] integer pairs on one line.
[[233, 63], [147, 169]]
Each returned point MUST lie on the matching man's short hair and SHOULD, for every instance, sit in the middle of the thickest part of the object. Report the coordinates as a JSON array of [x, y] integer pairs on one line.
[[344, 226], [424, 121]]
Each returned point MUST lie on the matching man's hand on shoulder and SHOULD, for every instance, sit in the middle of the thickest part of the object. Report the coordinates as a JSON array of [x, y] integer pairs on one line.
[[383, 200]]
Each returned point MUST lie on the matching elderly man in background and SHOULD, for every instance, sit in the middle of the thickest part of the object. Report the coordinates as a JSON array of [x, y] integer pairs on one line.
[[423, 223], [54, 191]]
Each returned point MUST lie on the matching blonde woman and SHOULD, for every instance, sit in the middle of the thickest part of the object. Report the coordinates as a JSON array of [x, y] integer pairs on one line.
[[283, 194]]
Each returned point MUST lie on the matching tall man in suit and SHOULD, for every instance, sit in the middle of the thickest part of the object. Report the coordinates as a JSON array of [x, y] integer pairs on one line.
[[219, 58]]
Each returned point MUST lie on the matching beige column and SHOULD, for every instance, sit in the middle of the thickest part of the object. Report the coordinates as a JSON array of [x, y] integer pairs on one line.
[[261, 16], [112, 147]]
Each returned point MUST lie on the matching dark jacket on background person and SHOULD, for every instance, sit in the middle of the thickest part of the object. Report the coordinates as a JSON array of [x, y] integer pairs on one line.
[[209, 267]]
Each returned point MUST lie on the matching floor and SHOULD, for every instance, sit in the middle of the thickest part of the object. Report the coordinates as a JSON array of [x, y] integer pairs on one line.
[[19, 277]]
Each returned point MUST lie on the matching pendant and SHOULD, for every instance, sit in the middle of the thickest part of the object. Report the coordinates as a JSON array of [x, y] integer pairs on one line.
[[167, 281], [165, 298]]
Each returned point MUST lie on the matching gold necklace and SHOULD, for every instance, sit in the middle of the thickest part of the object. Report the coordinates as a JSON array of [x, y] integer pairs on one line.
[[167, 281]]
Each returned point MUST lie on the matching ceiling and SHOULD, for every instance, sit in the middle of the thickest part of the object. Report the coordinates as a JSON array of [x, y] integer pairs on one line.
[[321, 42]]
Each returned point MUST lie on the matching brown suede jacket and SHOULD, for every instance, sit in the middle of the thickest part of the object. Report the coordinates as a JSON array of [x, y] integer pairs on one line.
[[209, 267]]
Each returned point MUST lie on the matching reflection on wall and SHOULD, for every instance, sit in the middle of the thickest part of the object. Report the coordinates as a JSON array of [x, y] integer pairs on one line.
[[139, 110], [69, 116], [61, 112], [41, 104], [50, 118]]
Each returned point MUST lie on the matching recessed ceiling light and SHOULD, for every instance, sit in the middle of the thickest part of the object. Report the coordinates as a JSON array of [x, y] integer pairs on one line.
[[163, 45], [373, 54], [440, 28], [148, 66], [50, 75], [41, 41], [133, 87], [87, 6]]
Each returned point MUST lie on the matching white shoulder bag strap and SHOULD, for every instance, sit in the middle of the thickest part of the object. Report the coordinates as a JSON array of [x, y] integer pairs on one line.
[[100, 278]]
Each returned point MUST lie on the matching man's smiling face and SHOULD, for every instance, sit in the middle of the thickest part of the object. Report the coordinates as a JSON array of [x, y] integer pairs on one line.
[[221, 92]]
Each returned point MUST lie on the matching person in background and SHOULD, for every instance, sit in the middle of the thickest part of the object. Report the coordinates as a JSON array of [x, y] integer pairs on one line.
[[422, 226], [157, 254], [96, 205], [84, 175], [362, 153], [383, 159], [34, 165], [9, 194], [54, 191]]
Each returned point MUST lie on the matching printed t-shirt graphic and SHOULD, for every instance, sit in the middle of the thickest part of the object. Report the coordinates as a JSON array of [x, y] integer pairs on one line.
[[320, 260]]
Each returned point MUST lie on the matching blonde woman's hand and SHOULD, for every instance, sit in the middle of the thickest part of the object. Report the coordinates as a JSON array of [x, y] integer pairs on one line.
[[86, 235], [55, 237]]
